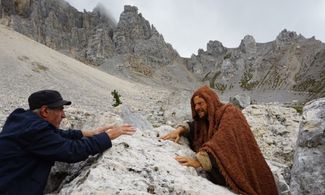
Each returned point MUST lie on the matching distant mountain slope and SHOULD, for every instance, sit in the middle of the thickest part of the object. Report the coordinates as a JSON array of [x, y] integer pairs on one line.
[[55, 23], [291, 62], [27, 66], [131, 48]]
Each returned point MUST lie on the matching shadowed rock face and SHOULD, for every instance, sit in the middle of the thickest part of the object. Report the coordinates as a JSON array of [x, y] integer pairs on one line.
[[128, 48], [134, 35], [85, 36], [308, 171], [90, 37]]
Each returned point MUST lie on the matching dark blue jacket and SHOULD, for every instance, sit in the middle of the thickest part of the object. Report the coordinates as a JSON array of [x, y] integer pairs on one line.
[[29, 146]]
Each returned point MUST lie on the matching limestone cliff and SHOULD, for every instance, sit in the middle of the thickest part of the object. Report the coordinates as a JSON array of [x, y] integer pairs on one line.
[[291, 62], [85, 36], [131, 47]]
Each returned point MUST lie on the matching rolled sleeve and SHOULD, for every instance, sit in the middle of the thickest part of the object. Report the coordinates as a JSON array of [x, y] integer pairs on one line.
[[203, 158], [185, 125], [105, 141], [51, 146]]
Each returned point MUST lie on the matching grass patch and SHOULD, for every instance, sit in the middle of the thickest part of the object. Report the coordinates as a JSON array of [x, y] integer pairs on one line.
[[38, 67], [227, 56], [298, 107], [220, 86], [309, 85], [245, 81]]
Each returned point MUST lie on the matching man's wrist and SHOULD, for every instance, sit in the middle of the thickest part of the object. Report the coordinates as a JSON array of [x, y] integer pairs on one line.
[[204, 160], [182, 128]]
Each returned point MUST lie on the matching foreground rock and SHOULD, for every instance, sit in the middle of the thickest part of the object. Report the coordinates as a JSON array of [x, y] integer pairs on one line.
[[240, 100], [275, 128], [308, 172], [141, 164]]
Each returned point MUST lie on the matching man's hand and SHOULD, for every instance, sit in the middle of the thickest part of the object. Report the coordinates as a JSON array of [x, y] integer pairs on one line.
[[124, 129], [103, 129], [188, 161], [175, 135], [90, 133]]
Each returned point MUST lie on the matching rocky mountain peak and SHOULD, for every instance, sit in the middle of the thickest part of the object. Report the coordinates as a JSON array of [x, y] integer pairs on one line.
[[132, 44], [287, 36], [103, 14], [291, 62], [131, 9], [19, 7], [131, 26], [215, 48], [248, 44]]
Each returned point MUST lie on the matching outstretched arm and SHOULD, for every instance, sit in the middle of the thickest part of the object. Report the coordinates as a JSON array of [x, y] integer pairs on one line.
[[176, 134], [90, 133], [112, 131], [49, 144], [116, 132], [185, 161]]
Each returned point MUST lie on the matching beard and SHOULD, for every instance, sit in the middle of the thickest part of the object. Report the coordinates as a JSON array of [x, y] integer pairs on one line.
[[201, 113]]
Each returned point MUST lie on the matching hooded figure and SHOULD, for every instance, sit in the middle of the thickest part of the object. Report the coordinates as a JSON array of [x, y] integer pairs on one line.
[[223, 141]]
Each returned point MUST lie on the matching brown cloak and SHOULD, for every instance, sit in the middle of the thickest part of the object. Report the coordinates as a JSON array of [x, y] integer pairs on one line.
[[226, 135]]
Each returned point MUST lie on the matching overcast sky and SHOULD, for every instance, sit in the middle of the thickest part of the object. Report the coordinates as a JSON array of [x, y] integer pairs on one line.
[[189, 24]]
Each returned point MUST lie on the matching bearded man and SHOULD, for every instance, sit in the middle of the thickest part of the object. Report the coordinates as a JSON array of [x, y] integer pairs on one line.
[[225, 146]]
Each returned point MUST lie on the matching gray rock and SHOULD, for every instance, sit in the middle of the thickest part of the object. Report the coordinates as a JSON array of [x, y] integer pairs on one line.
[[134, 35], [279, 172], [308, 171], [290, 62], [140, 164], [85, 36], [286, 37], [133, 118], [248, 45], [240, 100], [215, 48], [275, 128]]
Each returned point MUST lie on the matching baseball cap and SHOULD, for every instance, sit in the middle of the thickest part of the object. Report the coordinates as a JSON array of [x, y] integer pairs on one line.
[[50, 98]]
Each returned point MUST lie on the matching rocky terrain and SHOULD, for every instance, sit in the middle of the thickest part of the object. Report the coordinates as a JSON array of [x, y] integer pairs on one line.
[[155, 85], [291, 66], [130, 48], [291, 62]]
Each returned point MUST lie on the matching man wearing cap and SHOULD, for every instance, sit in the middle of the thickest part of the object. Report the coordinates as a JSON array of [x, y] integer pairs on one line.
[[31, 141]]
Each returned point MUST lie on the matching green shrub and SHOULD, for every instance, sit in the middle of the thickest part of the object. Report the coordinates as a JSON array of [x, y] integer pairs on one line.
[[227, 56], [309, 85], [244, 82], [116, 96], [298, 107], [221, 87]]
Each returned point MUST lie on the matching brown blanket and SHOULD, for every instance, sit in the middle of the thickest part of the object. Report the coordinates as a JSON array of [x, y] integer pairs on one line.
[[226, 135]]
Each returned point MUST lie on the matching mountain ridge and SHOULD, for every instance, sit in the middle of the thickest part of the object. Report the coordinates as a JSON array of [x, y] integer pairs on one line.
[[133, 49]]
